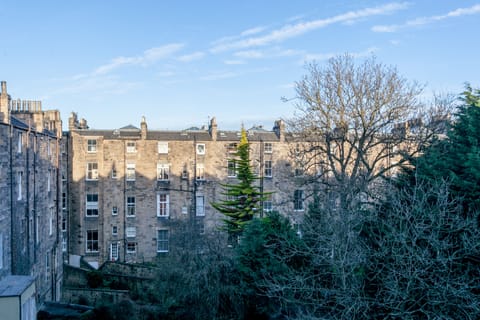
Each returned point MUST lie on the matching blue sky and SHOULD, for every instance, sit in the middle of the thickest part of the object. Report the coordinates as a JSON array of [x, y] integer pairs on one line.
[[180, 63]]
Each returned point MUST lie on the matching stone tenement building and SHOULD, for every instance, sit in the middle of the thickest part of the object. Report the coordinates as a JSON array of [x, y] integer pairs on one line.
[[30, 188], [130, 189]]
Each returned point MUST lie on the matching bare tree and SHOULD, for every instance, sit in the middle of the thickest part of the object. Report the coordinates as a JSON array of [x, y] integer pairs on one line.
[[356, 119], [424, 257]]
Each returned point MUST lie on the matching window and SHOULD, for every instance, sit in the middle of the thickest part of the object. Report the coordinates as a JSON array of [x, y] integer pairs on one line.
[[19, 185], [114, 172], [268, 147], [47, 266], [162, 147], [200, 171], [49, 151], [91, 145], [162, 240], [298, 172], [50, 222], [232, 147], [231, 171], [130, 174], [131, 232], [92, 204], [200, 206], [114, 230], [114, 211], [64, 243], [131, 147], [114, 251], [49, 175], [92, 171], [130, 206], [64, 201], [268, 168], [92, 240], [200, 148], [298, 200], [267, 204], [20, 142], [131, 247], [162, 205], [184, 210], [162, 171], [64, 223]]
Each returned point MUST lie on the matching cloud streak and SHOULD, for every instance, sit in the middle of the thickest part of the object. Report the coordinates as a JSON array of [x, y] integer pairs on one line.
[[428, 20], [148, 57], [294, 30]]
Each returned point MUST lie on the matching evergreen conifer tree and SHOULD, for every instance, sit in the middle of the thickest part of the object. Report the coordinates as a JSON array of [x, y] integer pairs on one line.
[[243, 198]]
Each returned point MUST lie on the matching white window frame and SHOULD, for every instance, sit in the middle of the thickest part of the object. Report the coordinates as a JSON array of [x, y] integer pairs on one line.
[[49, 178], [162, 147], [232, 147], [91, 204], [163, 171], [114, 231], [134, 247], [20, 142], [131, 146], [163, 241], [200, 205], [114, 173], [298, 200], [91, 242], [91, 145], [114, 211], [50, 221], [231, 168], [19, 185], [130, 172], [64, 243], [114, 251], [268, 204], [163, 205], [92, 171], [131, 232], [200, 148], [200, 174], [131, 206], [268, 147], [267, 168]]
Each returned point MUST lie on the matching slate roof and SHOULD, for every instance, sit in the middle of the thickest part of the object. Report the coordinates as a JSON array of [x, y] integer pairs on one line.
[[11, 286]]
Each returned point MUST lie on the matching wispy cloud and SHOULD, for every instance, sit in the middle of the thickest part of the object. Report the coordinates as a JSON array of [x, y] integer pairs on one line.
[[191, 57], [267, 54], [294, 30], [428, 20], [226, 74], [234, 62], [325, 56], [146, 58]]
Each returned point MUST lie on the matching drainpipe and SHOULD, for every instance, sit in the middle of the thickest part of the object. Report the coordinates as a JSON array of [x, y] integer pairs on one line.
[[11, 199]]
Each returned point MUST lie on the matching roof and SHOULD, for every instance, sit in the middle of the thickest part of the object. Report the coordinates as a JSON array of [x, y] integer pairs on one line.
[[18, 123], [11, 286], [129, 127]]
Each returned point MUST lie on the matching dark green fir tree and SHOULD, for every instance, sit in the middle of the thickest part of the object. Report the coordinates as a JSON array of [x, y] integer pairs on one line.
[[242, 199]]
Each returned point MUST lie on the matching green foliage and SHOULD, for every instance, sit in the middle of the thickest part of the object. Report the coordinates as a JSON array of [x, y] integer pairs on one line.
[[243, 199], [94, 279], [269, 250], [457, 158]]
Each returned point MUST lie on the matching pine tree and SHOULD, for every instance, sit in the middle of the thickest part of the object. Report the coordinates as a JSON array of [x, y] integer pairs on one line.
[[244, 198], [457, 158]]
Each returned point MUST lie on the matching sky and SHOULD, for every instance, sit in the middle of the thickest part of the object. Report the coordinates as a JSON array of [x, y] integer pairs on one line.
[[179, 63]]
